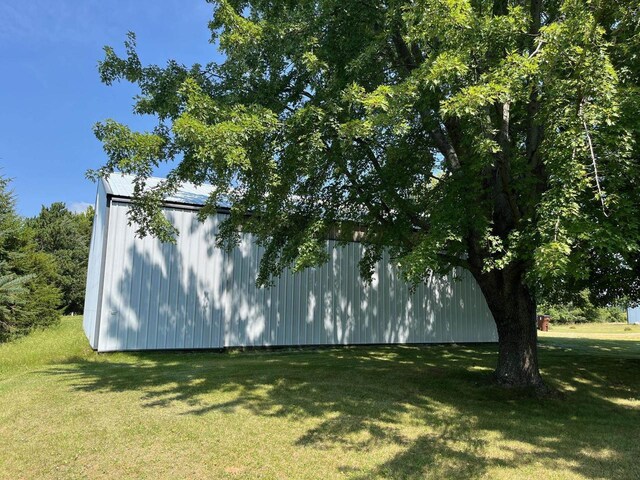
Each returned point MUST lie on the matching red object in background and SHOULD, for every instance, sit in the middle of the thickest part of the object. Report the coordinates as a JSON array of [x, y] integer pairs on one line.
[[543, 322]]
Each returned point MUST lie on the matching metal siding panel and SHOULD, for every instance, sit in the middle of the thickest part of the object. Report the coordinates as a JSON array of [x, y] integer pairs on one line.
[[237, 297], [110, 327], [163, 300], [181, 280], [155, 281], [295, 300], [262, 295], [95, 268], [107, 323], [289, 316], [387, 296], [374, 335], [219, 306], [418, 316], [196, 329], [347, 336], [305, 302], [189, 314], [227, 288], [342, 315], [466, 311], [137, 272], [172, 298], [436, 312], [280, 287], [354, 287], [192, 295], [230, 294], [198, 302], [295, 310], [123, 285], [325, 297], [335, 297], [252, 319], [453, 317], [147, 292], [241, 298], [208, 295], [273, 315]]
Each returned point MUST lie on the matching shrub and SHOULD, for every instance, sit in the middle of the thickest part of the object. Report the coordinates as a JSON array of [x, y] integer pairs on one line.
[[582, 310]]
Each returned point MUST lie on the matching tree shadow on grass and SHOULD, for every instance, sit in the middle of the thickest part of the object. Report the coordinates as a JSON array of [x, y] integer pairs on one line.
[[433, 405], [623, 349]]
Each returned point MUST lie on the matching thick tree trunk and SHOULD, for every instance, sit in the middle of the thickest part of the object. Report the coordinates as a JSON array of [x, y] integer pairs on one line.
[[514, 311], [518, 342]]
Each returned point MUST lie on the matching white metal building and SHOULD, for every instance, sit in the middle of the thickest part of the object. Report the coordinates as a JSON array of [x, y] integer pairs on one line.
[[633, 315], [143, 294]]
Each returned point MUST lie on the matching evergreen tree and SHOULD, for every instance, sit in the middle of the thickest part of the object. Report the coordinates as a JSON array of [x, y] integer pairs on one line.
[[28, 295], [12, 288]]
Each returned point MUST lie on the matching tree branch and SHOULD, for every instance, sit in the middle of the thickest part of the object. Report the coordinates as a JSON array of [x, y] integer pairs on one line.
[[534, 131], [407, 209], [404, 52], [595, 166], [446, 148], [504, 170], [364, 194]]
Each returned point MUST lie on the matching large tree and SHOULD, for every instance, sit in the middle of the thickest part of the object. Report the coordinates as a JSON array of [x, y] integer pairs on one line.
[[498, 136], [28, 298], [66, 236]]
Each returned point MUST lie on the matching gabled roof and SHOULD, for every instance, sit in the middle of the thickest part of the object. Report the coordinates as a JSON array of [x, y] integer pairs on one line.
[[121, 185]]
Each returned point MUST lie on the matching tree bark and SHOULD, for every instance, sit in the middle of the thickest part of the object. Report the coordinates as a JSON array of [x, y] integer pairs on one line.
[[514, 311]]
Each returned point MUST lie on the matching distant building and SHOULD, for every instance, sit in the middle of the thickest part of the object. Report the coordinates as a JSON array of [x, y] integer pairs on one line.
[[633, 315]]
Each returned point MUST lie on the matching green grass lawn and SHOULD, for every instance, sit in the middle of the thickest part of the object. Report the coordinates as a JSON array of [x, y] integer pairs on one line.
[[626, 331], [363, 412]]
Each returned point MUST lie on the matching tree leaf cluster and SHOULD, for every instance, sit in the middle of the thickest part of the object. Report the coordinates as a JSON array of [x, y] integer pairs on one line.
[[28, 295], [582, 310], [65, 236]]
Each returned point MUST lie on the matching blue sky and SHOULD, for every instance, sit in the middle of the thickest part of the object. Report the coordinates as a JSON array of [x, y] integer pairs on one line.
[[50, 90]]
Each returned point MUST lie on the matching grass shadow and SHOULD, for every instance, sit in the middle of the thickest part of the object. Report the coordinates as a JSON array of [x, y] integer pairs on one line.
[[433, 406]]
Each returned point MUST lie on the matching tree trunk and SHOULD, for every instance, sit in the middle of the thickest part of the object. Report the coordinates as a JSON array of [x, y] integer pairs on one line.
[[514, 311]]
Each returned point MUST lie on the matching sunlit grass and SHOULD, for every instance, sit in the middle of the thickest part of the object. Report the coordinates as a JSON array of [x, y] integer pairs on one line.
[[597, 339], [623, 331], [363, 412]]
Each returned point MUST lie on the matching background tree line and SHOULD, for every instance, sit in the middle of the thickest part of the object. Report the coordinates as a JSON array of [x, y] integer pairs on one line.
[[43, 264], [582, 310]]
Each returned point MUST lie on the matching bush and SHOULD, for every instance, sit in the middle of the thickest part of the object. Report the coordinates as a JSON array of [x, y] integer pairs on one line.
[[582, 311]]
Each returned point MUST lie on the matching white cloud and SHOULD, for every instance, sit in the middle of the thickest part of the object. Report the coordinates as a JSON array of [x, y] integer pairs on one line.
[[79, 207]]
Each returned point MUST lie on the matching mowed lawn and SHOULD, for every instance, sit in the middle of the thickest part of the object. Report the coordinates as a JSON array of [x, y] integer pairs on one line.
[[362, 412]]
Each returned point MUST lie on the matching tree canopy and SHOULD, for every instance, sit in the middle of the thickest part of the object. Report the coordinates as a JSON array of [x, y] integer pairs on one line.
[[498, 136], [28, 297], [66, 236]]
